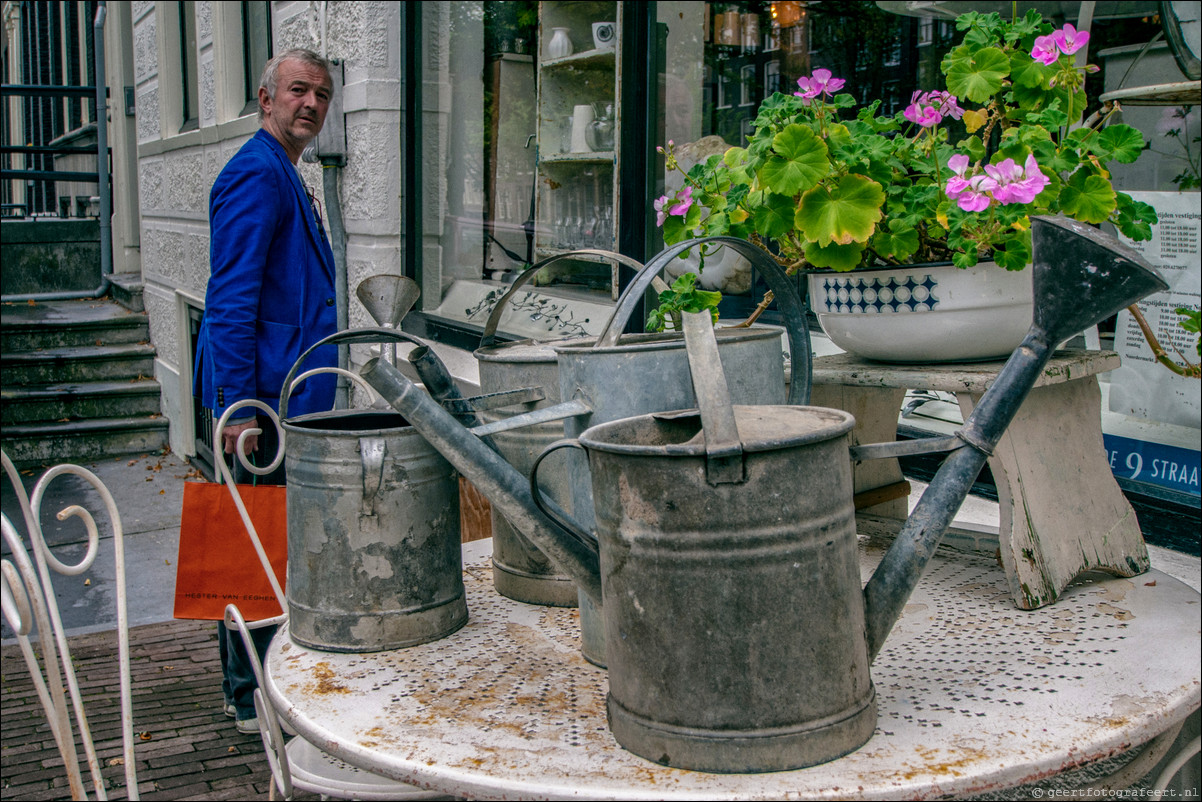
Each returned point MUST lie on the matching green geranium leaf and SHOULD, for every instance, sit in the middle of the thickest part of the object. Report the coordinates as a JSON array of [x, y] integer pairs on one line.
[[717, 225], [896, 244], [1016, 253], [734, 157], [838, 136], [965, 258], [675, 230], [1134, 219], [980, 77], [845, 213], [773, 216], [974, 146], [801, 161], [1087, 197], [836, 257], [1030, 25], [1026, 71], [1119, 142]]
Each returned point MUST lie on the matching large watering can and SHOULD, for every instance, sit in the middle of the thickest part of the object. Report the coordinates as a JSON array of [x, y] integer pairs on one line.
[[770, 672]]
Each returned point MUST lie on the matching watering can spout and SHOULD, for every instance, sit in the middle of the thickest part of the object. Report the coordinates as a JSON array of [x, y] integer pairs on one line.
[[506, 488], [1081, 276]]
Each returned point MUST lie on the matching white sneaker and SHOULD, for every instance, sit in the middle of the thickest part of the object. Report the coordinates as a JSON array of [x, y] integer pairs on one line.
[[249, 726], [230, 711]]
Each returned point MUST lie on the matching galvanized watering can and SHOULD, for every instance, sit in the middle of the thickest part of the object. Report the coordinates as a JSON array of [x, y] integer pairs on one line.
[[608, 378], [771, 671], [520, 570], [373, 527]]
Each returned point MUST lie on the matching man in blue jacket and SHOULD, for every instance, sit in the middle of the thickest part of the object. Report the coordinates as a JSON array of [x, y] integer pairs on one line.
[[270, 295]]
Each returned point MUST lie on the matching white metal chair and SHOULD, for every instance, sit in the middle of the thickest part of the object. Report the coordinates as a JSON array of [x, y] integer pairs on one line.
[[297, 764], [28, 598]]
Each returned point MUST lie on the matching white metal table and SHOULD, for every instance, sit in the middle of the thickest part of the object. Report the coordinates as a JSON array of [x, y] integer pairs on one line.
[[973, 694]]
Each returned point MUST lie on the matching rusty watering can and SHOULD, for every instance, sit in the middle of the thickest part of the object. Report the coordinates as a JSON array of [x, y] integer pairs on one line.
[[768, 668]]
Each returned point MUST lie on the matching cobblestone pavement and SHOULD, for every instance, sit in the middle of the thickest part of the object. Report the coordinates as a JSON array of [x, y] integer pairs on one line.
[[186, 748]]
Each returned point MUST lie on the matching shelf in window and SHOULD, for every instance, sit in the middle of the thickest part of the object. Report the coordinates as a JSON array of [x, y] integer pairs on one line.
[[585, 58], [591, 157]]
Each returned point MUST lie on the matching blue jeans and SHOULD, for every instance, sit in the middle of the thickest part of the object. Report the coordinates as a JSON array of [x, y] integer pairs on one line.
[[238, 677]]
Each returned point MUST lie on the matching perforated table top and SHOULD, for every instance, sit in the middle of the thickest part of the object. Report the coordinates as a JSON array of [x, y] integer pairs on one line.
[[973, 693]]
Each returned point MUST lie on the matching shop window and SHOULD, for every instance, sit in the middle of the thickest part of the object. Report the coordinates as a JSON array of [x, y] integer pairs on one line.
[[519, 147]]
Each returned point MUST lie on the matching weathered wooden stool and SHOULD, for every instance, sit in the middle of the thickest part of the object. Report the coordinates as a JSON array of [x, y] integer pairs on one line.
[[1061, 511]]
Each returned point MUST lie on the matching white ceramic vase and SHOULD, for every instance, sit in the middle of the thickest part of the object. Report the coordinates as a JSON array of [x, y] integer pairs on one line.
[[925, 313], [560, 45]]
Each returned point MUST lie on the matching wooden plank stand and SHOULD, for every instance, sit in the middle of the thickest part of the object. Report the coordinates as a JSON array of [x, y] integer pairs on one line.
[[1061, 512]]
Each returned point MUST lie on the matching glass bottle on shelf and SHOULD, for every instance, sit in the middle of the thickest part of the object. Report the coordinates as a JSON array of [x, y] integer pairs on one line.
[[601, 129]]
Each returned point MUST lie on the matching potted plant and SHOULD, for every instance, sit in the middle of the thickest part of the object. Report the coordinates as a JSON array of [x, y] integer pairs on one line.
[[855, 198]]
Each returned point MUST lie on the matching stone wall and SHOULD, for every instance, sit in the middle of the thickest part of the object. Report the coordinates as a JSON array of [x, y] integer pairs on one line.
[[49, 255]]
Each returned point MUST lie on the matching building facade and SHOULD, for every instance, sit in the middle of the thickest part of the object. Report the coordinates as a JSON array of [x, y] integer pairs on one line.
[[475, 137]]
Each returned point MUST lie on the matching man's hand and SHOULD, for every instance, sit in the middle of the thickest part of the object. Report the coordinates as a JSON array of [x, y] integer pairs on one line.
[[229, 436]]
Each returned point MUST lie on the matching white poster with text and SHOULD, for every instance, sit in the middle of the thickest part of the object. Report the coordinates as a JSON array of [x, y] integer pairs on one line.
[[1142, 387]]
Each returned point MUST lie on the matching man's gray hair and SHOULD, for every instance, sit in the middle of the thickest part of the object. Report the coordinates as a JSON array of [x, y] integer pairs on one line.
[[271, 70]]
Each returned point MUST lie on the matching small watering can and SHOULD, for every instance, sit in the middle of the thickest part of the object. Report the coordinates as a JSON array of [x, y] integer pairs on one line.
[[373, 526], [770, 671]]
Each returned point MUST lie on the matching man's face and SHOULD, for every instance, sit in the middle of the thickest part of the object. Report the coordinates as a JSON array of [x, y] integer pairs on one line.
[[298, 110]]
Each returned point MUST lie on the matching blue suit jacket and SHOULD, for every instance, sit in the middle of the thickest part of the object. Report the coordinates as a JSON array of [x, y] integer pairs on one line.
[[271, 291]]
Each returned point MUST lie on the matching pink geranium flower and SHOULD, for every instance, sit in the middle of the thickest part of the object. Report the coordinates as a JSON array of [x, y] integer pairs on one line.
[[945, 102], [928, 108], [683, 201], [679, 205], [970, 194], [661, 213], [1067, 40], [820, 83], [1016, 184], [1045, 50], [1070, 40]]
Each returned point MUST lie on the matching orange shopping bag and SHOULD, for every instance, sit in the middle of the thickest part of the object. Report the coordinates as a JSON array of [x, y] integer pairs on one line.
[[217, 563]]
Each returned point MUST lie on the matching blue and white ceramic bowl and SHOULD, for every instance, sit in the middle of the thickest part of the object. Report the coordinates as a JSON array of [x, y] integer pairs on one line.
[[925, 313]]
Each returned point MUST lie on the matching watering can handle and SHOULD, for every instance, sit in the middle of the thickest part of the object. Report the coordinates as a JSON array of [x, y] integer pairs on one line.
[[723, 448], [490, 327], [791, 306], [364, 335], [560, 520]]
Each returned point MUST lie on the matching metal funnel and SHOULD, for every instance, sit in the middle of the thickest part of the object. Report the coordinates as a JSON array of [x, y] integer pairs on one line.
[[388, 298], [1083, 276]]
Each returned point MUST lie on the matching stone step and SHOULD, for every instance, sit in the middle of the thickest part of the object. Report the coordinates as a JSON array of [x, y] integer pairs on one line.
[[75, 401], [77, 364], [82, 441], [61, 324]]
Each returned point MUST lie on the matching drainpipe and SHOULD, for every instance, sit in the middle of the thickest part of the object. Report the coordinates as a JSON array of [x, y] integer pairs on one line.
[[329, 180], [102, 176]]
